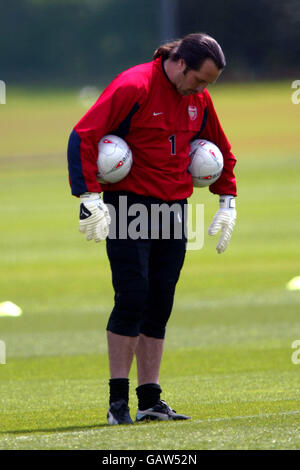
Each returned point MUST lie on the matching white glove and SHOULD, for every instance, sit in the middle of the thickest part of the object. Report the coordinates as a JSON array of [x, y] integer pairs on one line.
[[224, 220], [94, 218]]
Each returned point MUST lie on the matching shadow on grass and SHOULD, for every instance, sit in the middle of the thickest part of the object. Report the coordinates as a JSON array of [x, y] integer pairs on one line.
[[78, 428], [57, 429]]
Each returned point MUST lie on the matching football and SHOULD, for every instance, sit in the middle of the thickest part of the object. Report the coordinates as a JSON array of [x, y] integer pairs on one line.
[[206, 163], [114, 159]]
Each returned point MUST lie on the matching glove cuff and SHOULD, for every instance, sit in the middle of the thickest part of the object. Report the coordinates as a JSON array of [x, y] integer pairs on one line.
[[227, 202], [89, 197]]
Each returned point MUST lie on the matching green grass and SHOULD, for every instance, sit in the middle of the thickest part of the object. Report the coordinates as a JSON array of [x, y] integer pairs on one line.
[[227, 360]]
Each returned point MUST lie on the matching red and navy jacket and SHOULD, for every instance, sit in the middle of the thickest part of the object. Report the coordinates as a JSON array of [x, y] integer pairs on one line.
[[143, 107]]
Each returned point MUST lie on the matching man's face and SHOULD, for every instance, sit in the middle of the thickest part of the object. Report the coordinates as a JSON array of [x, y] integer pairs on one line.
[[195, 81]]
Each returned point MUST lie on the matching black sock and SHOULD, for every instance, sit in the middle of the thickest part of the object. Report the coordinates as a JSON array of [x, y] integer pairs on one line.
[[119, 389], [148, 395]]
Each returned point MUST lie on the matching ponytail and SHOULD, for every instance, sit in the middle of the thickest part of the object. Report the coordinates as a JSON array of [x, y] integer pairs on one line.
[[164, 50]]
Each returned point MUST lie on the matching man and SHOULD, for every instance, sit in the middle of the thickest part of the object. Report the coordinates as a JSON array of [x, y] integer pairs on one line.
[[158, 108]]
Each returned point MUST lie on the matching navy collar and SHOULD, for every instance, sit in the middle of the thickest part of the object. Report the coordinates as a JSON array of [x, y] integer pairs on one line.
[[164, 70]]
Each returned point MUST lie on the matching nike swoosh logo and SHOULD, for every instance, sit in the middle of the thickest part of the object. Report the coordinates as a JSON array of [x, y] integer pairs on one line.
[[84, 212], [157, 114]]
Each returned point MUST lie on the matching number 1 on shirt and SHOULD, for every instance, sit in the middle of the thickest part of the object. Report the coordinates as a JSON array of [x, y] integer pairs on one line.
[[172, 139]]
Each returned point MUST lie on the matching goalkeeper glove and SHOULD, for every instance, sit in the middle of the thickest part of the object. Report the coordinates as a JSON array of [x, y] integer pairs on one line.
[[224, 220], [94, 218]]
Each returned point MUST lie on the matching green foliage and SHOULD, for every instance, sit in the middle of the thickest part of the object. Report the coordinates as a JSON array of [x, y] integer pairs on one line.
[[64, 42], [71, 42], [260, 38]]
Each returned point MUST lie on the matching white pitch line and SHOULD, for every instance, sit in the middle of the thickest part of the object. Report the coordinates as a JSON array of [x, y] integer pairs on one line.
[[262, 415], [144, 428]]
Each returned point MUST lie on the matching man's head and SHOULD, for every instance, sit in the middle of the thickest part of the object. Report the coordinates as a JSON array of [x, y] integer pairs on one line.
[[189, 81], [192, 62]]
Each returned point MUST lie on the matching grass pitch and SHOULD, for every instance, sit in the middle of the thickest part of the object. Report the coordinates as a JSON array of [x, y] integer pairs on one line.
[[227, 361]]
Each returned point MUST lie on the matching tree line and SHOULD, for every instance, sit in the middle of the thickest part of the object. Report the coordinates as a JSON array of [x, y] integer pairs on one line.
[[71, 42]]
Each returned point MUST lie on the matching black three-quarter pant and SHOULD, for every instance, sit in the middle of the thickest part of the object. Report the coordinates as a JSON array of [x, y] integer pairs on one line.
[[145, 262]]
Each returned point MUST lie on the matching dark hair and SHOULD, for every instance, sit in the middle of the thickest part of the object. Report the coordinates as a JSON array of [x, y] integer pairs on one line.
[[193, 49]]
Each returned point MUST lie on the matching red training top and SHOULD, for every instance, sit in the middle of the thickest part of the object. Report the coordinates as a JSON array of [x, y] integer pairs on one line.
[[143, 107]]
